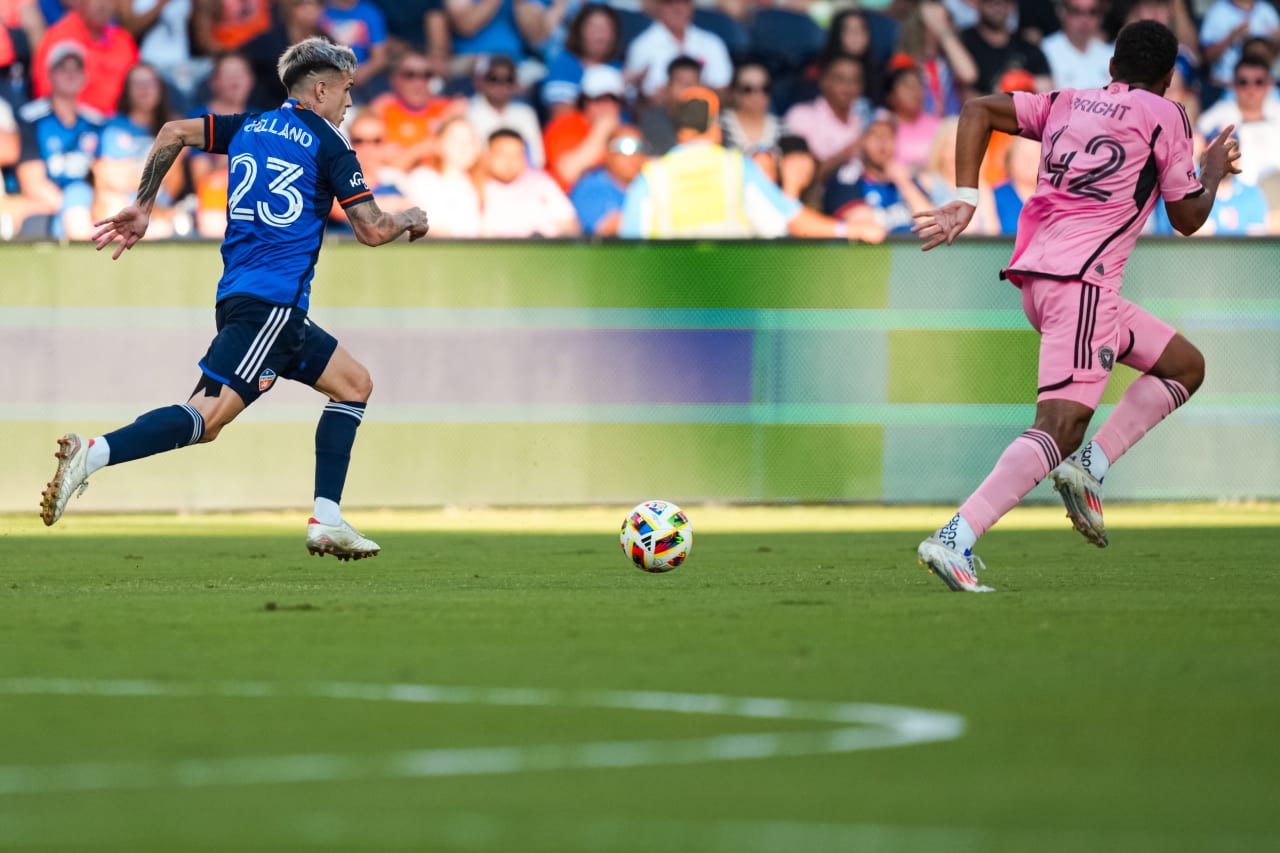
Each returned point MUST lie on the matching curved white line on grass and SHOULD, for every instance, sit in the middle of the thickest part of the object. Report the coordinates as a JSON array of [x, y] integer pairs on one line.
[[859, 727]]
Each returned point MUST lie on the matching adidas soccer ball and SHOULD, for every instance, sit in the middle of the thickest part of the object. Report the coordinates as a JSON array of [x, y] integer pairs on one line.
[[657, 536]]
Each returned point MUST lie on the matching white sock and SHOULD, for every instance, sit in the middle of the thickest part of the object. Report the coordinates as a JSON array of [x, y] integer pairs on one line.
[[99, 455], [1093, 460], [327, 512], [957, 534]]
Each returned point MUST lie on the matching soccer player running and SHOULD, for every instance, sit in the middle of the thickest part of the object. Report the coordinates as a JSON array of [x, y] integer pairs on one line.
[[287, 166], [1105, 155]]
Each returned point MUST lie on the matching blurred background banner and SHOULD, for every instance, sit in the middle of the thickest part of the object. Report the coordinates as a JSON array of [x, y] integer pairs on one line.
[[566, 373]]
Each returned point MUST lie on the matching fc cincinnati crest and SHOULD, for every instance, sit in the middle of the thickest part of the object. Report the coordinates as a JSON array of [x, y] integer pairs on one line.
[[266, 379], [1107, 358]]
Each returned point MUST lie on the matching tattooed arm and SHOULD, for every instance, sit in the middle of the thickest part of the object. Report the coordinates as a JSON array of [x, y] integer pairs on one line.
[[130, 224], [375, 226]]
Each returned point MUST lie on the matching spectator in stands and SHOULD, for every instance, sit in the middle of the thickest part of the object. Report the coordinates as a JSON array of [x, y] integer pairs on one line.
[[657, 121], [493, 106], [126, 140], [1037, 20], [519, 201], [1172, 13], [109, 52], [996, 49], [789, 165], [931, 40], [594, 38], [230, 84], [1255, 113], [575, 141], [1022, 165], [904, 97], [60, 139], [13, 206], [418, 25], [673, 34], [876, 180], [832, 124], [1224, 29], [748, 125], [413, 113], [161, 29], [299, 20], [1239, 210], [483, 27], [597, 196], [849, 34], [22, 27], [368, 136], [450, 187], [360, 26], [221, 26], [701, 189], [1078, 57]]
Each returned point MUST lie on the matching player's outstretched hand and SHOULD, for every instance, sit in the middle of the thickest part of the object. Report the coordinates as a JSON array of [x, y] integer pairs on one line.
[[128, 226], [418, 226], [942, 224], [1222, 156]]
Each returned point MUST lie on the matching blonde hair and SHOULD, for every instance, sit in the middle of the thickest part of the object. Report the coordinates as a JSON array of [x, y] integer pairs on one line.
[[314, 55]]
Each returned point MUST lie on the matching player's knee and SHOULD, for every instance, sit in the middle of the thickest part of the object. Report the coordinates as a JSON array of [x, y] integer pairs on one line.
[[362, 386]]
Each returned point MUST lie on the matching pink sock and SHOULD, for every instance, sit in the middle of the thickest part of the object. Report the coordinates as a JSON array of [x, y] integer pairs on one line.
[[1023, 464], [1148, 401]]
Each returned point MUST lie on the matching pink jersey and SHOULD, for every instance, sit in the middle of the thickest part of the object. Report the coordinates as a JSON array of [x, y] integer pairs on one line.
[[1104, 154]]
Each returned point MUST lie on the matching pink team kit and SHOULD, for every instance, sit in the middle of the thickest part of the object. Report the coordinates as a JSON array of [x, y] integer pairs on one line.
[[1105, 155]]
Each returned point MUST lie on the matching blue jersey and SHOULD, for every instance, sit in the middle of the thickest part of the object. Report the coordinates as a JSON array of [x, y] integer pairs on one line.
[[68, 152], [286, 168]]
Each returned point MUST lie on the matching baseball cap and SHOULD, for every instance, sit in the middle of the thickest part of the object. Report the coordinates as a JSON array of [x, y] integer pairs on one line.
[[601, 80], [697, 109], [61, 50], [1017, 80]]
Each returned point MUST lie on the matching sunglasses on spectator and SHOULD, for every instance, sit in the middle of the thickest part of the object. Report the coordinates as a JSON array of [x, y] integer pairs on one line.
[[410, 74], [748, 89], [1251, 81], [499, 79], [366, 140], [1092, 11], [627, 145]]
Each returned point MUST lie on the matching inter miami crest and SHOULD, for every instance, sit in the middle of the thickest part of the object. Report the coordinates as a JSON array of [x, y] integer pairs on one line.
[[1107, 358], [268, 377]]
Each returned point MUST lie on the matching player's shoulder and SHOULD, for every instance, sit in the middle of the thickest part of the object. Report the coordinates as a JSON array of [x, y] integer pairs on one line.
[[1170, 115], [329, 139]]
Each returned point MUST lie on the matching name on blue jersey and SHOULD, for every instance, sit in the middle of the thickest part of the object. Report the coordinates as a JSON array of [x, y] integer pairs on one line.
[[275, 126]]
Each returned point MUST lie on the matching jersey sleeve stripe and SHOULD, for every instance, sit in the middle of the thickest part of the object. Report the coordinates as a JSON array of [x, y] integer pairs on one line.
[[357, 197]]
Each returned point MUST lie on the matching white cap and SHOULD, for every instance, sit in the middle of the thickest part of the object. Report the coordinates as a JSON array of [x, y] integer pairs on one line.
[[61, 50], [601, 80]]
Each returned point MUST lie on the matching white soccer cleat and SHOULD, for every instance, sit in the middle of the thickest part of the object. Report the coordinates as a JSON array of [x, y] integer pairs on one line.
[[341, 540], [956, 569], [1081, 494], [71, 477]]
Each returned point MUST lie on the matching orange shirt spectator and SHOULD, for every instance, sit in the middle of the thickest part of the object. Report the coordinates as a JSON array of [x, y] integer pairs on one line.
[[228, 24], [109, 53]]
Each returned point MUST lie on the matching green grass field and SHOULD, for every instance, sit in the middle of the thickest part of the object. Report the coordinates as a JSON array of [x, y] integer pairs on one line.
[[202, 684]]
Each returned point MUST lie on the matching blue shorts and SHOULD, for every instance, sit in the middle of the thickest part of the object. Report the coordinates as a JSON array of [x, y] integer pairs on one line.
[[258, 343]]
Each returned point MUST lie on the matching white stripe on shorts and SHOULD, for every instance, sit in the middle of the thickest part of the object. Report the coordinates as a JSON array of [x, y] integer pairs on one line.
[[262, 345]]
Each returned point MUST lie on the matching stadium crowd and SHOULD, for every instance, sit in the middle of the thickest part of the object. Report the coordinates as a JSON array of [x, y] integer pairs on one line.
[[524, 118]]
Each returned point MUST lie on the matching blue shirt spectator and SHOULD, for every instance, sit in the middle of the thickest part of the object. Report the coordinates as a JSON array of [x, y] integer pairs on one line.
[[501, 33]]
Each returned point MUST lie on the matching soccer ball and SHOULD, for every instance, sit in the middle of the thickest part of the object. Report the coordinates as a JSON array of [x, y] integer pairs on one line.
[[657, 536]]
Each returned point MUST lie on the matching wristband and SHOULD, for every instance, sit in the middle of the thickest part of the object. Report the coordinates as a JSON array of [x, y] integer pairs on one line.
[[968, 195], [841, 229]]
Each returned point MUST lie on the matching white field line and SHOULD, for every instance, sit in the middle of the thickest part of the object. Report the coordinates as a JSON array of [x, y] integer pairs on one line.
[[859, 727]]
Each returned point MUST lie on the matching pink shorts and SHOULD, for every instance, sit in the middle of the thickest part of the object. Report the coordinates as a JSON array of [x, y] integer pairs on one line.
[[1084, 330]]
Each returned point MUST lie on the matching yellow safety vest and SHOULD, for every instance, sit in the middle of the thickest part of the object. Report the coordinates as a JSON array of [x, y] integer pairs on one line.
[[697, 190]]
